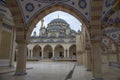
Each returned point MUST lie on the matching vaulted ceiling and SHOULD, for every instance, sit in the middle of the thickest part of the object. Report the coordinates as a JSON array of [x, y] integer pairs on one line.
[[30, 8]]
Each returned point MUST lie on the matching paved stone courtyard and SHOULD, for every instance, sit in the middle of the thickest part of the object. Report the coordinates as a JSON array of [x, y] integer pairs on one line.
[[57, 71]]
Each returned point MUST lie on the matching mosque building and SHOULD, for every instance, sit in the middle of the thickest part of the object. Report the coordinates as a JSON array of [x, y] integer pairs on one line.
[[57, 41]]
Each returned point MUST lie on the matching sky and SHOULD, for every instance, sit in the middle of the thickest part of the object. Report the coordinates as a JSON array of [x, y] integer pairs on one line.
[[75, 24]]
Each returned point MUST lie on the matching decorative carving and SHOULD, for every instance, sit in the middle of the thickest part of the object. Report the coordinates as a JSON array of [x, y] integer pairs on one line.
[[108, 3], [29, 7], [82, 4], [51, 1]]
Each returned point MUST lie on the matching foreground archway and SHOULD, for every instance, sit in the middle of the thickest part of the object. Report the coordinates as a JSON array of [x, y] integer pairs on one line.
[[21, 38]]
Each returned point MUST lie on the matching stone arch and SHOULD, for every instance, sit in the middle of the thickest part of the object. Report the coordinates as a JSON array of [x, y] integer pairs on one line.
[[108, 34], [37, 51], [87, 39], [111, 40], [19, 24], [59, 51], [112, 10], [106, 44], [7, 35], [72, 51], [56, 7], [48, 51]]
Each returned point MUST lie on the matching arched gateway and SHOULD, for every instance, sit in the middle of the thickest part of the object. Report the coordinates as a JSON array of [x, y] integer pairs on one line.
[[19, 17]]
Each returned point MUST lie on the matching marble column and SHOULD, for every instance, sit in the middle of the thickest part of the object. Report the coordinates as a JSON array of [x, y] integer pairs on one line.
[[21, 58], [97, 61]]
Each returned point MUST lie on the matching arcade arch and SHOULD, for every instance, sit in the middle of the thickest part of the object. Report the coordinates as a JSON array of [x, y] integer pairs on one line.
[[72, 51], [48, 52], [37, 51], [59, 51]]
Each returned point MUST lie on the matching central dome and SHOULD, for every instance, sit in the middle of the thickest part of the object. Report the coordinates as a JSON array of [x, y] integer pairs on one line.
[[58, 20], [58, 24]]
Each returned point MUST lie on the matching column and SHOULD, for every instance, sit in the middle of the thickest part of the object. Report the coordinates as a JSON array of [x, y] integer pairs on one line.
[[31, 53], [65, 52], [42, 53], [95, 32], [53, 55], [118, 53], [96, 60], [88, 60], [0, 29], [13, 49], [79, 50], [68, 53], [80, 57], [84, 58], [21, 58]]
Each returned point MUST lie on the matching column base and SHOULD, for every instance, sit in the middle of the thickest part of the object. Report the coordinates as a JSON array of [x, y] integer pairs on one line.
[[98, 79], [20, 73]]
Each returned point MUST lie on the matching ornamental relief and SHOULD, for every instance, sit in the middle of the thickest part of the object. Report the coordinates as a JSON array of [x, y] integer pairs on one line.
[[51, 1]]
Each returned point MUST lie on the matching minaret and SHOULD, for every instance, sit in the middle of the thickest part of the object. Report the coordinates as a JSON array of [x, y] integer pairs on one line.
[[58, 15], [34, 34], [42, 24], [42, 28]]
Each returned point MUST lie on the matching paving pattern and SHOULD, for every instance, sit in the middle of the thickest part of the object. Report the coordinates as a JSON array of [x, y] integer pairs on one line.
[[58, 71]]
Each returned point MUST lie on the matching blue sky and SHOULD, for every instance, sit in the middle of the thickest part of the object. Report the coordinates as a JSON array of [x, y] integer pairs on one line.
[[75, 24]]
